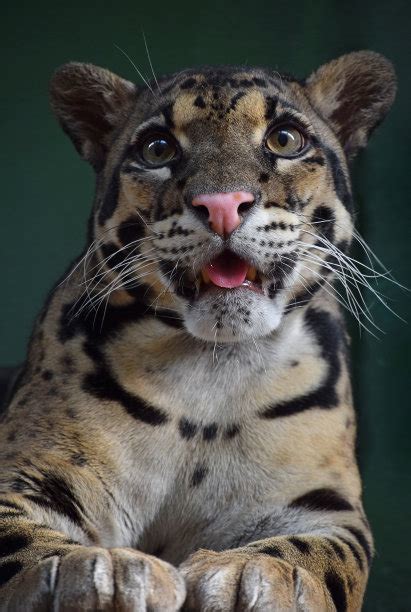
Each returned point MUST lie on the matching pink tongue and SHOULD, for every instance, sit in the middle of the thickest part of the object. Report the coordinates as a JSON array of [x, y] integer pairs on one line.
[[227, 270]]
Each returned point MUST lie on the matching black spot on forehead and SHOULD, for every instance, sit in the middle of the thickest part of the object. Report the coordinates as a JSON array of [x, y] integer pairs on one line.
[[234, 77], [246, 83], [188, 83], [270, 107], [236, 98], [199, 102], [260, 82], [167, 112]]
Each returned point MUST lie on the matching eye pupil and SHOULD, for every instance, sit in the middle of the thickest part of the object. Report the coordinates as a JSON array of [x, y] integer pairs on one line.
[[158, 147], [282, 138]]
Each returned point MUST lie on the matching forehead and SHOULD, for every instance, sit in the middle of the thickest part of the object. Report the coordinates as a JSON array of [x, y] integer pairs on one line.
[[224, 95]]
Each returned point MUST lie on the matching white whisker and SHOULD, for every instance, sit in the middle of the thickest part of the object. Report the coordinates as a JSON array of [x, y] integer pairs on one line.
[[140, 74], [149, 61]]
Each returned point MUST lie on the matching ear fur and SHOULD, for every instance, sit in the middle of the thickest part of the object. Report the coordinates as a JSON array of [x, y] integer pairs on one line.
[[353, 93], [90, 102]]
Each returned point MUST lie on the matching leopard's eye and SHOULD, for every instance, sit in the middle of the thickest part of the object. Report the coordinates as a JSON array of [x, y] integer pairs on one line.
[[285, 141], [158, 150]]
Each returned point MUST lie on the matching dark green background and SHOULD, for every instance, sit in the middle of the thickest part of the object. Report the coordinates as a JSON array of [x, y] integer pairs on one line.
[[47, 190]]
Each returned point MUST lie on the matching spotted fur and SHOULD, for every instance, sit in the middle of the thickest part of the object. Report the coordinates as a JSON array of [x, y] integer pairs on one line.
[[166, 445]]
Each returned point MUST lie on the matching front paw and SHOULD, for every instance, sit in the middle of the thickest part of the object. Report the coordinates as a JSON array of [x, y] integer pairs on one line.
[[236, 581], [89, 578]]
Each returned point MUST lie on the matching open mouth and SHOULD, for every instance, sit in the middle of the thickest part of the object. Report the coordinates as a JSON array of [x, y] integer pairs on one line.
[[229, 271]]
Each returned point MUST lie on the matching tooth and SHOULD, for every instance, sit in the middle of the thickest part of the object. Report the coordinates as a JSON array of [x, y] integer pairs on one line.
[[251, 273], [205, 276]]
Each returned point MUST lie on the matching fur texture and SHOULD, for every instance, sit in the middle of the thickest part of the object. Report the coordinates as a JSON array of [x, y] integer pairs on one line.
[[171, 443]]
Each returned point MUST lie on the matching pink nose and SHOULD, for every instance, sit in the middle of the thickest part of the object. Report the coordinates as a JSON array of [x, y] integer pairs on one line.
[[223, 209]]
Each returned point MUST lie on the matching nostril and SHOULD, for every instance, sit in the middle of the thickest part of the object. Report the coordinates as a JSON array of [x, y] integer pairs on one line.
[[245, 207], [202, 211]]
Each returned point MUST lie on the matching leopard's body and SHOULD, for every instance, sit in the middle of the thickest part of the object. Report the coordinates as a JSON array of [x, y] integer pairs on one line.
[[160, 425]]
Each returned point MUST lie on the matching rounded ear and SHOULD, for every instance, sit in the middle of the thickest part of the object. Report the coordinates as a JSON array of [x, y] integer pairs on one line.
[[353, 93], [90, 102]]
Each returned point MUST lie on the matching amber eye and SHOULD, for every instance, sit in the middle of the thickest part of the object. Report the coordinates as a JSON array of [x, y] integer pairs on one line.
[[285, 141], [158, 150]]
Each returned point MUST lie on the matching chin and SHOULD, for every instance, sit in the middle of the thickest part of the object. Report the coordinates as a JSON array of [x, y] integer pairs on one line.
[[233, 315]]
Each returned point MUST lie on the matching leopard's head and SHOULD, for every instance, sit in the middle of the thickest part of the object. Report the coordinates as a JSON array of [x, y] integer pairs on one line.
[[223, 194]]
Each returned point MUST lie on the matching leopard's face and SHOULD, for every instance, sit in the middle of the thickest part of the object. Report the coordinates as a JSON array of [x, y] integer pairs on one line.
[[224, 196]]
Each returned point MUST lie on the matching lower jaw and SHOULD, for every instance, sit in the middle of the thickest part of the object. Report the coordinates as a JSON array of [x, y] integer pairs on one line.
[[232, 315], [244, 287]]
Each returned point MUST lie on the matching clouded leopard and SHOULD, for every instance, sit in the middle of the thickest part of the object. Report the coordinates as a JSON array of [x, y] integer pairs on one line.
[[182, 434]]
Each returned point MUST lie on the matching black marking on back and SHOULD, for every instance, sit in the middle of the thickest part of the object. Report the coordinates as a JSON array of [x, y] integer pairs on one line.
[[322, 499], [328, 334], [336, 588]]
